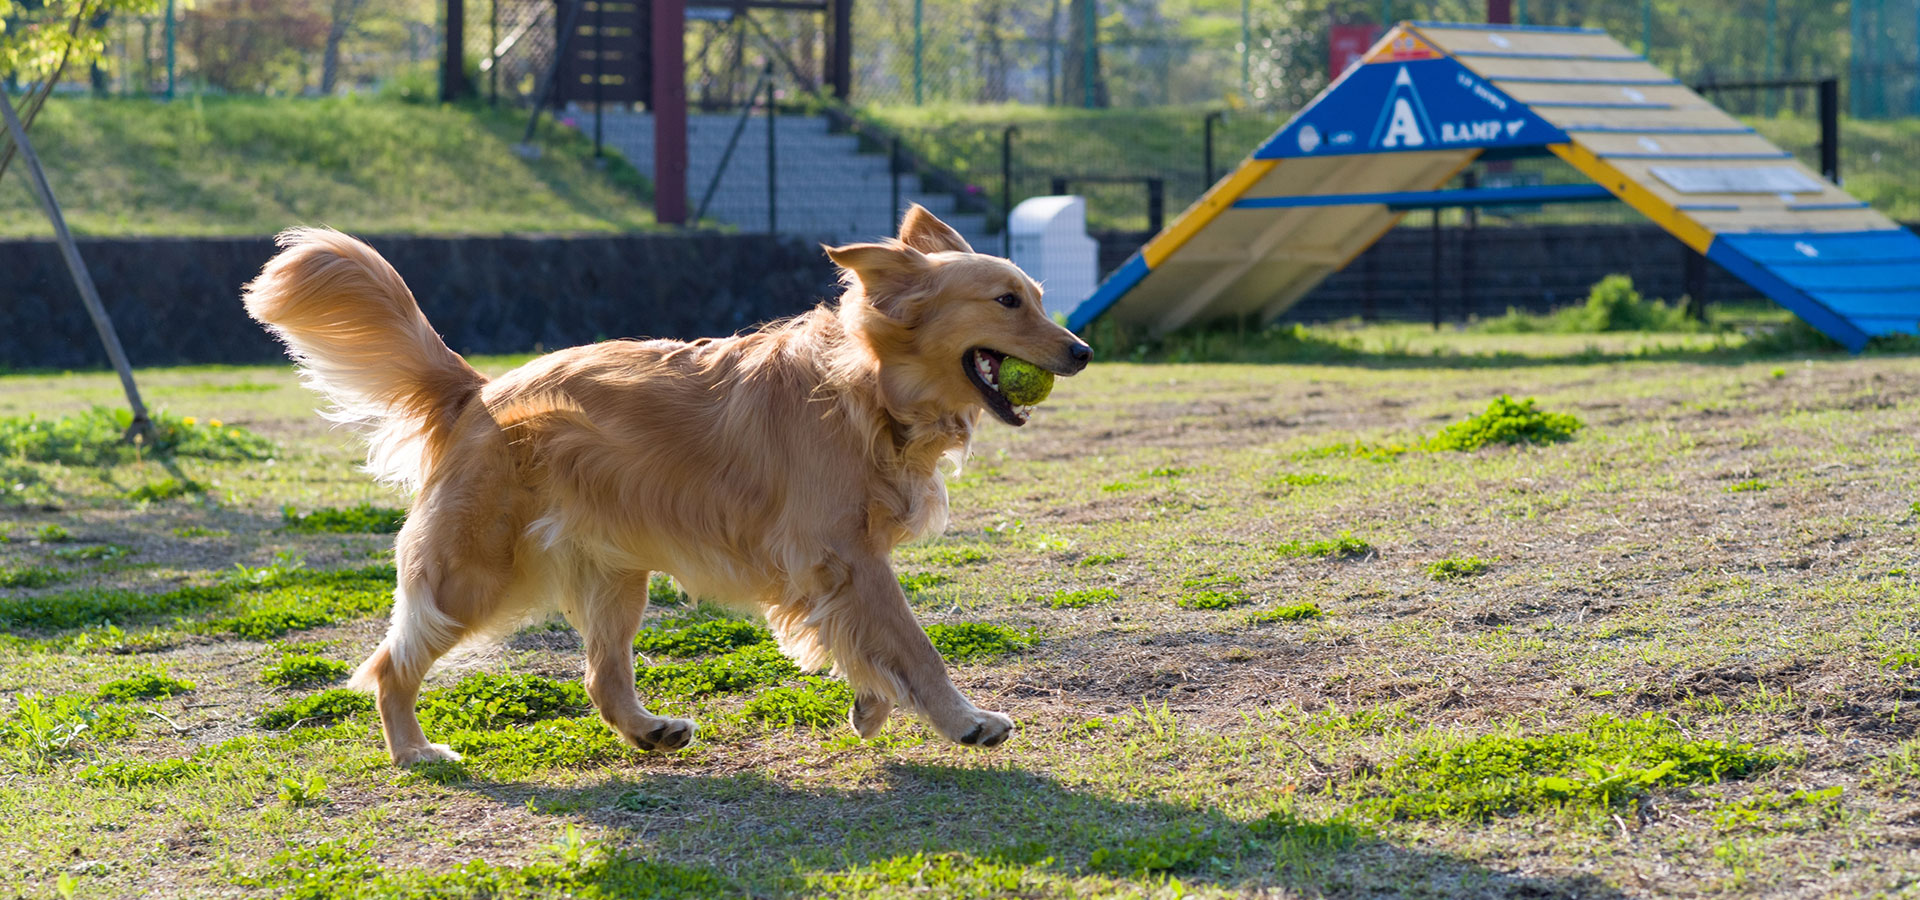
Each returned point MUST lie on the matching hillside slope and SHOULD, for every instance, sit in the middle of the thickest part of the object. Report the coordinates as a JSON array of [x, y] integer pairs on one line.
[[238, 166]]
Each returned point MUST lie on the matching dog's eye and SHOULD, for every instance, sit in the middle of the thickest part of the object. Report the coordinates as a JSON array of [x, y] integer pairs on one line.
[[1009, 301]]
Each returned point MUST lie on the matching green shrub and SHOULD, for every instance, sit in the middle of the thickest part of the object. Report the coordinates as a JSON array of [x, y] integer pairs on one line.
[[1612, 305], [1606, 765], [1346, 546], [1292, 613], [52, 534], [299, 670], [917, 582], [41, 726], [363, 519], [489, 701], [134, 772], [95, 438], [30, 576], [166, 489], [1102, 559], [1457, 567], [92, 553], [1083, 598], [702, 638], [1175, 850], [814, 701], [1506, 421], [324, 708], [144, 686], [100, 606], [749, 667], [1751, 484], [967, 642], [957, 556], [1212, 599], [555, 743]]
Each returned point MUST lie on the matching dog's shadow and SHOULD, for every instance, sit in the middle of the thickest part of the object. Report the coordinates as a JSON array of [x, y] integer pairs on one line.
[[767, 830]]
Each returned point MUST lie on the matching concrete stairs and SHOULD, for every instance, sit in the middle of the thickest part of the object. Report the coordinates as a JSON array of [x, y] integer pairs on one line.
[[825, 188]]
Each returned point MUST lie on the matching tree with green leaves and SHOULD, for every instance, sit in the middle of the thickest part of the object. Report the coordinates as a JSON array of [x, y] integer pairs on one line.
[[41, 39]]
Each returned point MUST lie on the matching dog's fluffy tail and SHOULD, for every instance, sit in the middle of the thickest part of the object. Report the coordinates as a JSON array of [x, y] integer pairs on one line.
[[359, 338]]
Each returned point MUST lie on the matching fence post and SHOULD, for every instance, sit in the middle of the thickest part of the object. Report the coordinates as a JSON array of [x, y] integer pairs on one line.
[[599, 73], [893, 176], [919, 51], [1088, 69], [773, 184], [1436, 268], [170, 49], [493, 53], [1006, 189], [668, 19], [1246, 53], [1469, 233], [1646, 28], [1830, 129], [1156, 203], [1206, 125]]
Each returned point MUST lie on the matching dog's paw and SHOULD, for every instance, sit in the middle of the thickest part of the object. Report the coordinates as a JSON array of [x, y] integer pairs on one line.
[[425, 753], [663, 734], [988, 730], [869, 715]]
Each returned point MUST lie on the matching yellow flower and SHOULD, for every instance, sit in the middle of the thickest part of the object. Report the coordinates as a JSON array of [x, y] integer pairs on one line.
[[213, 423], [189, 420]]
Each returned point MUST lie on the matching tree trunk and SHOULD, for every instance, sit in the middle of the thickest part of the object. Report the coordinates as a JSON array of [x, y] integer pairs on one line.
[[343, 14], [993, 87], [1079, 44]]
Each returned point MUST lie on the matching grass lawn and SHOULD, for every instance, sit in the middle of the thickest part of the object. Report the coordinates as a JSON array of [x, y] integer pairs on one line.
[[1262, 633], [250, 165]]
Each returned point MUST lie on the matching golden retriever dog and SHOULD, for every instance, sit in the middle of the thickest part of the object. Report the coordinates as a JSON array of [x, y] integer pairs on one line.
[[775, 470]]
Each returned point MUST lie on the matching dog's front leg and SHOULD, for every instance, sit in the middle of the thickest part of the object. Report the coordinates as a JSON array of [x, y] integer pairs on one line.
[[889, 661], [607, 616]]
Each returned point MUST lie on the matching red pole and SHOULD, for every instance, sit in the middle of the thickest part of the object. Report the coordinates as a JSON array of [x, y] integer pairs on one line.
[[669, 112], [1500, 12]]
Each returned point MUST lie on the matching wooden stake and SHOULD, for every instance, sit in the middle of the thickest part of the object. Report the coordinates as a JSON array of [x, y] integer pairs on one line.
[[142, 426]]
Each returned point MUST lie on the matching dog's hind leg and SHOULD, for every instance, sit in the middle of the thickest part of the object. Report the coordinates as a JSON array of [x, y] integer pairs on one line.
[[454, 559], [425, 627], [889, 661], [607, 614]]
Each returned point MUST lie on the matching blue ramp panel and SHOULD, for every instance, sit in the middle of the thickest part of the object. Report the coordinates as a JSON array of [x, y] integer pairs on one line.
[[1853, 286]]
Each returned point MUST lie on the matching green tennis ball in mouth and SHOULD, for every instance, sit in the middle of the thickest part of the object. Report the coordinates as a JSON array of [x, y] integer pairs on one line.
[[1023, 383]]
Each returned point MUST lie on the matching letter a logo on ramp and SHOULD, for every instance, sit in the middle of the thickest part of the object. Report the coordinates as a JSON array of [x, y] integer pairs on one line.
[[1403, 120]]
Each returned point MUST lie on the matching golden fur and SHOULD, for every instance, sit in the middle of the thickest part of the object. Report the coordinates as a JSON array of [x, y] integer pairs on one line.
[[774, 470]]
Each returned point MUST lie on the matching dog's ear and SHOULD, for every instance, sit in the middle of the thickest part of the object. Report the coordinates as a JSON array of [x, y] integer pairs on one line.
[[886, 270], [923, 231]]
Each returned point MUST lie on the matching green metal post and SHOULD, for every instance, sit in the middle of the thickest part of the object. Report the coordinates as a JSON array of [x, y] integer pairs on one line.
[[1519, 12], [1773, 20], [1088, 69], [1646, 28], [919, 52], [169, 94], [1246, 49], [1386, 14]]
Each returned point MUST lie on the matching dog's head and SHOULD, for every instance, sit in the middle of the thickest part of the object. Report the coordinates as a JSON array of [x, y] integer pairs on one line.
[[945, 317]]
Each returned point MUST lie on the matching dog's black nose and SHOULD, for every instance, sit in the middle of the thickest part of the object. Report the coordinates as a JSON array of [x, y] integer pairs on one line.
[[1081, 353]]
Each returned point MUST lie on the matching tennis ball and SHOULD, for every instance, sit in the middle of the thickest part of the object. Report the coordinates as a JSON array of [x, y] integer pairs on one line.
[[1023, 383]]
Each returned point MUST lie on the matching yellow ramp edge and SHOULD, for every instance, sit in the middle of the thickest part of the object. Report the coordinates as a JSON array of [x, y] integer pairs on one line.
[[1634, 194], [1216, 200]]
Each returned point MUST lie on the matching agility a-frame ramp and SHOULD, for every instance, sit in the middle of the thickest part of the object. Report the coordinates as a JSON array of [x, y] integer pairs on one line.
[[1430, 98]]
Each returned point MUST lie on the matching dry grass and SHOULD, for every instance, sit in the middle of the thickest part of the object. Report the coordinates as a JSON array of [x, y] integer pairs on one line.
[[1162, 751]]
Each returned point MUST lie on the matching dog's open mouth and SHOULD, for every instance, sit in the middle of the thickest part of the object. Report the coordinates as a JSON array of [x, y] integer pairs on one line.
[[983, 367]]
